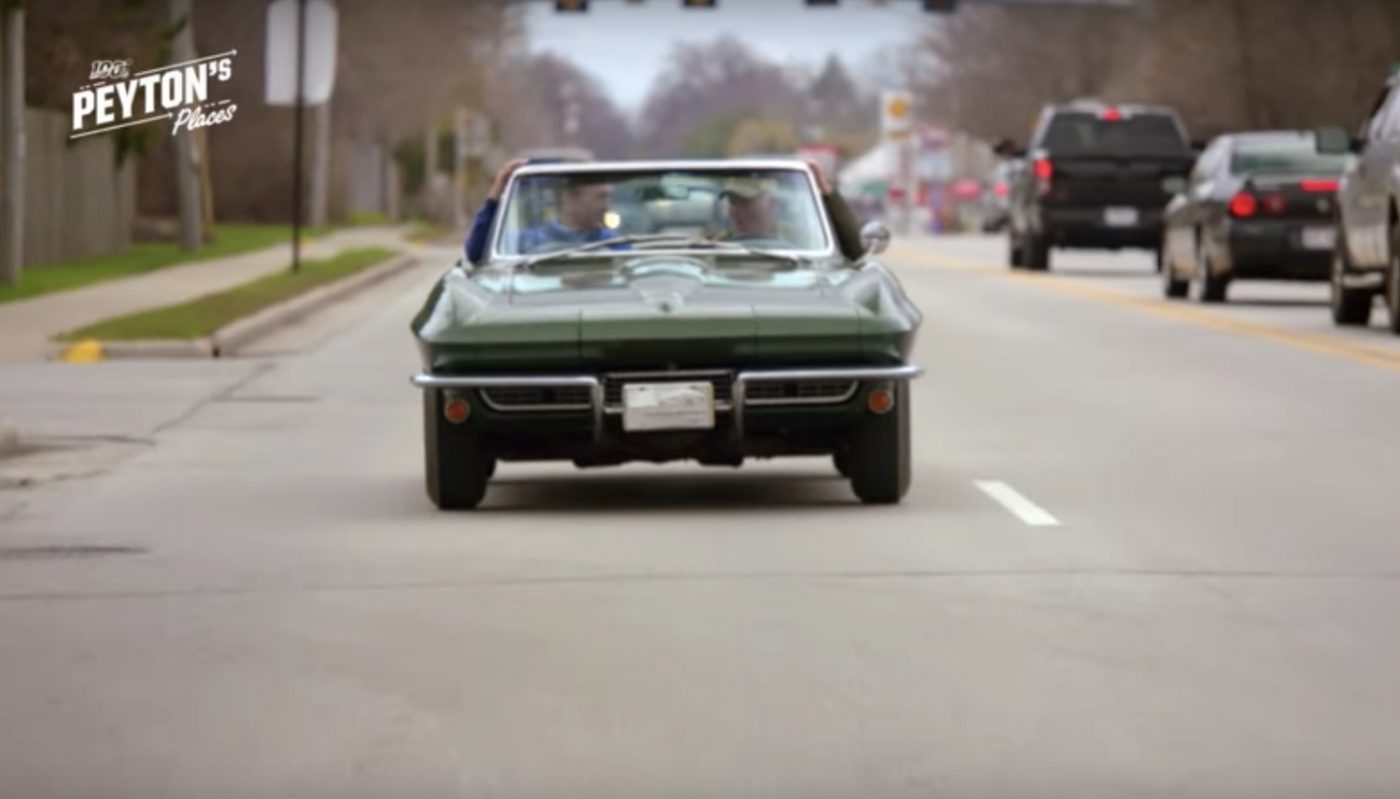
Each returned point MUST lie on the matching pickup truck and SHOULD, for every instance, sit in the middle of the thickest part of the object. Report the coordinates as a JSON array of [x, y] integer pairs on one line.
[[1099, 176]]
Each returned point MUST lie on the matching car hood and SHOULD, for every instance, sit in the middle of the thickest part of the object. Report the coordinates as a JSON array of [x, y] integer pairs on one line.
[[656, 309]]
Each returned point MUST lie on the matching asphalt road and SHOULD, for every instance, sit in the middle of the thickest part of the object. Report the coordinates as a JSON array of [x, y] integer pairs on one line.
[[1150, 550]]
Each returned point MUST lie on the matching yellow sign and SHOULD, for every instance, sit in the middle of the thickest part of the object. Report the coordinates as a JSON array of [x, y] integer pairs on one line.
[[899, 107]]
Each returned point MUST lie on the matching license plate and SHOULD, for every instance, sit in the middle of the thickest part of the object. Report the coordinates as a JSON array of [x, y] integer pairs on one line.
[[1319, 238], [668, 406], [1120, 217]]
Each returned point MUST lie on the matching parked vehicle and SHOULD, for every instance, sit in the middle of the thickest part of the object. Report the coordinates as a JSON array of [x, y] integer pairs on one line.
[[1366, 260], [1099, 177], [1259, 205]]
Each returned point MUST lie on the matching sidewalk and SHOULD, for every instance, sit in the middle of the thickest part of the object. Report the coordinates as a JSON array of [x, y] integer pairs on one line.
[[27, 325]]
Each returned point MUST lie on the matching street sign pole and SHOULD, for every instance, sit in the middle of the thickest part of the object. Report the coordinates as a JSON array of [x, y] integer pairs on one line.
[[296, 136]]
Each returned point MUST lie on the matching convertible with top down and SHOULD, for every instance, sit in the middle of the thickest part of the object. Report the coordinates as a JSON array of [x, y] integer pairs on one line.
[[660, 311]]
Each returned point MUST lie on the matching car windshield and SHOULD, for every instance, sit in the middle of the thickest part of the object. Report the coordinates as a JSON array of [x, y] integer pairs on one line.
[[772, 209], [1285, 158], [1125, 134]]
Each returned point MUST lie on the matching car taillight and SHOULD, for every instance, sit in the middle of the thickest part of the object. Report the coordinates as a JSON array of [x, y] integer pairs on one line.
[[1111, 115], [1243, 205], [1001, 189], [1044, 169], [1322, 186]]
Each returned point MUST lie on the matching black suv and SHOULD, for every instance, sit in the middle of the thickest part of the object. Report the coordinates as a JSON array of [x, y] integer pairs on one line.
[[1367, 257], [1099, 176]]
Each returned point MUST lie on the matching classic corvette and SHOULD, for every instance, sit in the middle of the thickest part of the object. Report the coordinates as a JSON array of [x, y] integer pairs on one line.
[[663, 311]]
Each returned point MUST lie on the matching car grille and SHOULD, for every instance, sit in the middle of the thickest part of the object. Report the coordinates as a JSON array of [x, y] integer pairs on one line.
[[723, 382], [537, 398], [798, 392]]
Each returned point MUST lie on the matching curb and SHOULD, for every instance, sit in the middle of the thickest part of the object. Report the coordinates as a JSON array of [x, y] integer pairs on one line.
[[228, 339]]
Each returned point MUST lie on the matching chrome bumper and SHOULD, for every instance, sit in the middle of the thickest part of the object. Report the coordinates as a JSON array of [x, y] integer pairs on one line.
[[741, 381]]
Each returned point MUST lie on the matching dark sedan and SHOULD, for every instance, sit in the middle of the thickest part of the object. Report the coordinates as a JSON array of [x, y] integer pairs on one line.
[[1259, 205]]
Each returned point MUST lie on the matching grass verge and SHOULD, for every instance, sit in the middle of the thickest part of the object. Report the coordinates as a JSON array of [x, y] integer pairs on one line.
[[202, 316], [144, 257]]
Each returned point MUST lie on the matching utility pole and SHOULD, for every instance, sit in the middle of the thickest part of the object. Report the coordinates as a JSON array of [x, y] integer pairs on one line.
[[187, 193], [296, 135], [321, 165], [11, 142]]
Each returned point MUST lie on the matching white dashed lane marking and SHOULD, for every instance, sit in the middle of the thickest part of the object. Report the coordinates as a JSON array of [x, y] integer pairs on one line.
[[1020, 507]]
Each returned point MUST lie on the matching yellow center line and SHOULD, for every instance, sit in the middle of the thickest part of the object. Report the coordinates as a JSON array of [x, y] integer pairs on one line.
[[1309, 341]]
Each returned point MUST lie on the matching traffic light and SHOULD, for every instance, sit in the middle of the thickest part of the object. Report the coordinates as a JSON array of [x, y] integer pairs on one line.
[[698, 3], [571, 5], [941, 6], [821, 2]]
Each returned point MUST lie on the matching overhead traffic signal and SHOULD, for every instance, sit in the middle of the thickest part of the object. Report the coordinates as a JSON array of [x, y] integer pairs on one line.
[[571, 5], [941, 6], [698, 3]]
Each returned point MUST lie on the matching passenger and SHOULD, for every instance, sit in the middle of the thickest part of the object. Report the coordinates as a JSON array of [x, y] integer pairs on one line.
[[581, 211]]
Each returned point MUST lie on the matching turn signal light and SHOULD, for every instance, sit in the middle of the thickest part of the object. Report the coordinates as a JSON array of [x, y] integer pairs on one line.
[[1243, 205], [456, 410], [881, 400]]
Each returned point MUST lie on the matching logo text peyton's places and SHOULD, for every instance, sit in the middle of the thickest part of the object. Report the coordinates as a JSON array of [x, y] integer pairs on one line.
[[180, 93]]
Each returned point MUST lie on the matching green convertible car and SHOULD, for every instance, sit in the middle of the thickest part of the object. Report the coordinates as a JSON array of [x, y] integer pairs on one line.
[[663, 311]]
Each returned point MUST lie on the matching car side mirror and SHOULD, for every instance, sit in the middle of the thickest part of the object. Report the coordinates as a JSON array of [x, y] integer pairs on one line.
[[1335, 141], [875, 237], [1006, 148]]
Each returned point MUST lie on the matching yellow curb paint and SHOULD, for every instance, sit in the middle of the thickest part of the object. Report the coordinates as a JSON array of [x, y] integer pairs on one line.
[[85, 351], [1320, 343]]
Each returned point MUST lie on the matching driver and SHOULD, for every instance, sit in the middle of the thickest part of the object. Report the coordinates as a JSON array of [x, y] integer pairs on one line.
[[581, 211], [582, 207]]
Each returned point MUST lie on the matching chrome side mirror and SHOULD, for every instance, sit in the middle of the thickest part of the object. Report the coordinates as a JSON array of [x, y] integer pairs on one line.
[[875, 237]]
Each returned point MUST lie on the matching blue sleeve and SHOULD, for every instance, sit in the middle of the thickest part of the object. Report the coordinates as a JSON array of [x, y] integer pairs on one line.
[[481, 227]]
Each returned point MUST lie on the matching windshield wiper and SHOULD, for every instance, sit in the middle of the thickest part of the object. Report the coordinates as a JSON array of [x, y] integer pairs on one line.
[[601, 244], [662, 238]]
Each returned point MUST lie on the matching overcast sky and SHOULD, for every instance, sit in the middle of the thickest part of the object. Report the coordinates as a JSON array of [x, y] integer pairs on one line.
[[624, 45]]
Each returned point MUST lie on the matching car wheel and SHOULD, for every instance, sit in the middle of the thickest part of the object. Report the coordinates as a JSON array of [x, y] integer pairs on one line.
[[841, 459], [1349, 306], [879, 453], [1160, 257], [1173, 287], [1015, 256], [1213, 286], [1037, 253], [457, 466], [1392, 289]]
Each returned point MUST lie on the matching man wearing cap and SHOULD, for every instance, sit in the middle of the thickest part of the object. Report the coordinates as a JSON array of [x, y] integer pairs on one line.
[[753, 212]]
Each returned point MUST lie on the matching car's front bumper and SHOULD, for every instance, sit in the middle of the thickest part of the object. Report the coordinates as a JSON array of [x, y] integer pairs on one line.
[[590, 425]]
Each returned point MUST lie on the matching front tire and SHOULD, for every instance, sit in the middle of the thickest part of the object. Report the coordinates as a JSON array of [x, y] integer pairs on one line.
[[457, 466], [1015, 251], [879, 456], [1350, 307]]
